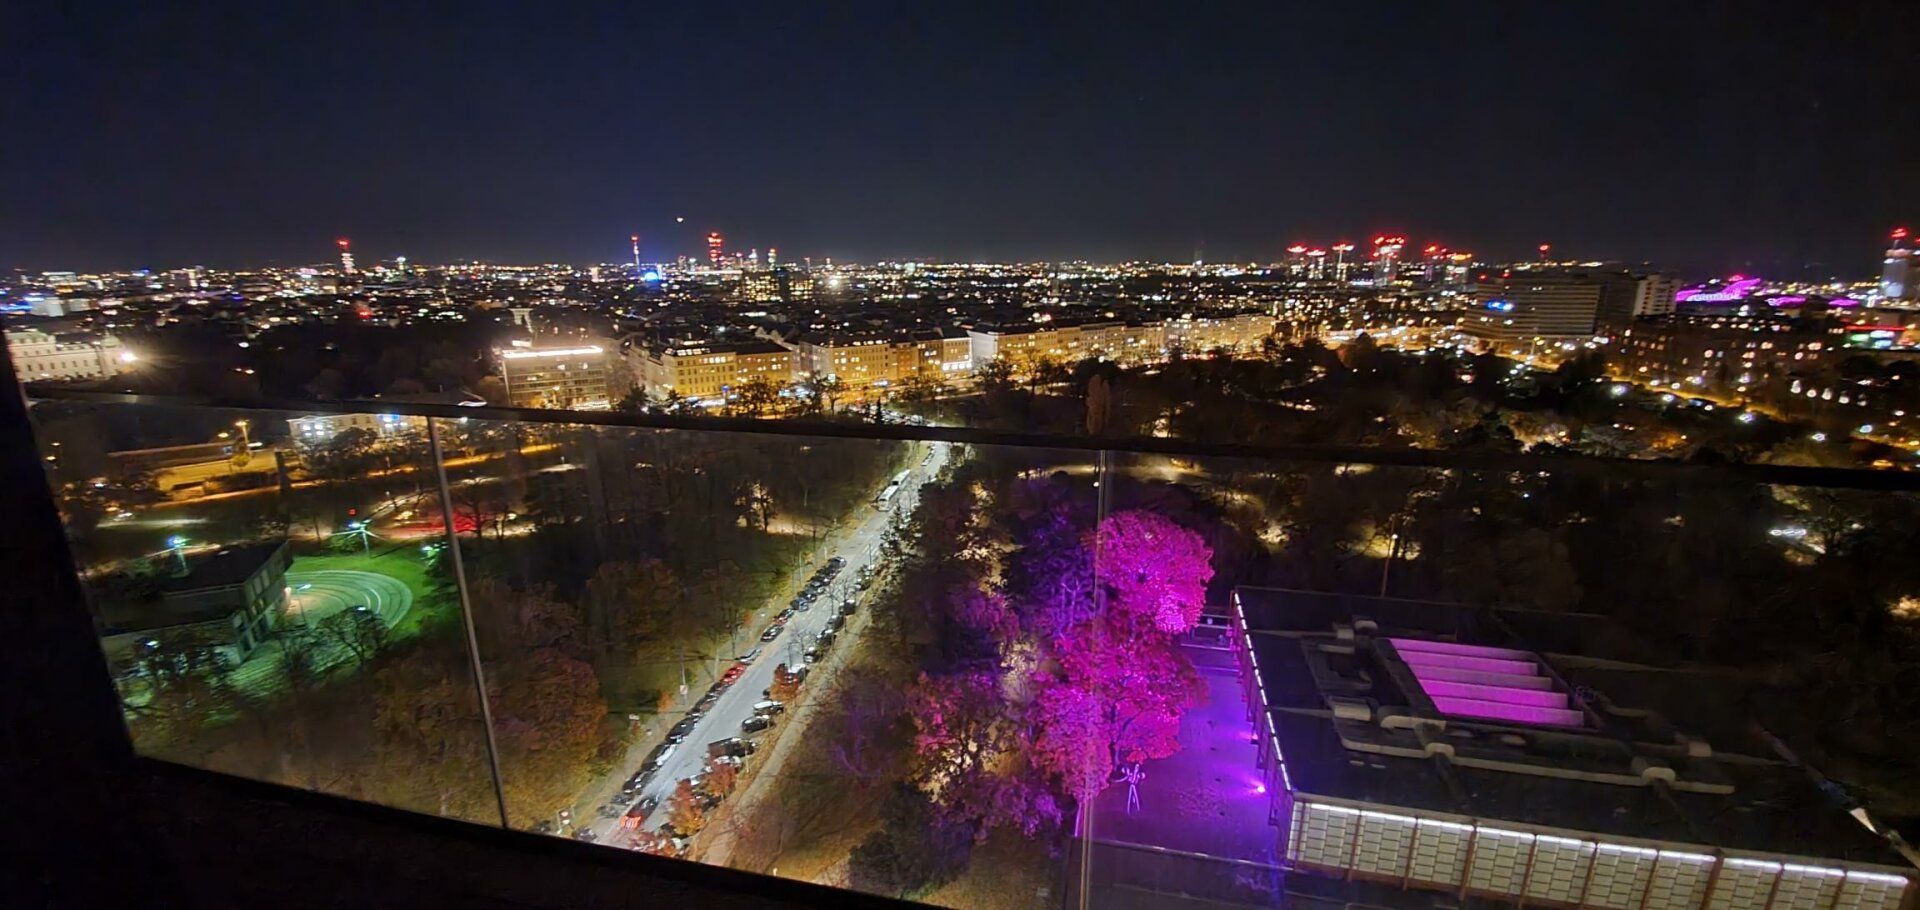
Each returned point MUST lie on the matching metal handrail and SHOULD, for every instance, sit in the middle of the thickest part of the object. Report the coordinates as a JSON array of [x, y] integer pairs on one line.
[[1450, 459]]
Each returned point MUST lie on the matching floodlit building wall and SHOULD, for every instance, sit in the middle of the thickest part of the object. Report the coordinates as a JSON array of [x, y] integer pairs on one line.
[[1416, 849]]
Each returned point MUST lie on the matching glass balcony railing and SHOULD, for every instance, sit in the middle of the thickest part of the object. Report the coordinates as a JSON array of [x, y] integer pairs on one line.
[[982, 670]]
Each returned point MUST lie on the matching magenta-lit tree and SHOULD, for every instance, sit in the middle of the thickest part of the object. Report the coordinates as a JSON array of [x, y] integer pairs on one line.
[[1117, 687], [1152, 569]]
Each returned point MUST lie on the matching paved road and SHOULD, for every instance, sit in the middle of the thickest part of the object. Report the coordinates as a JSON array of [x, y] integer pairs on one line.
[[858, 540]]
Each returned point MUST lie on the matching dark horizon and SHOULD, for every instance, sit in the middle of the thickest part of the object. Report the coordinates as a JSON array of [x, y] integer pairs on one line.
[[1776, 140]]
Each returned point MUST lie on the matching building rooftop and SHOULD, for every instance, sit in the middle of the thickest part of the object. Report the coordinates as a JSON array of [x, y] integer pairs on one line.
[[1629, 746], [226, 566]]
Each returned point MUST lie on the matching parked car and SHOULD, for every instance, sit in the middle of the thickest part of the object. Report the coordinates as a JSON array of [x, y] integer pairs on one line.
[[585, 834], [734, 747], [772, 633], [659, 758], [748, 657], [847, 606], [756, 723], [733, 674], [769, 707]]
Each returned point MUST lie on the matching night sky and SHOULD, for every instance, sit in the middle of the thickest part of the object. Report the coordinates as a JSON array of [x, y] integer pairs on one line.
[[1744, 137]]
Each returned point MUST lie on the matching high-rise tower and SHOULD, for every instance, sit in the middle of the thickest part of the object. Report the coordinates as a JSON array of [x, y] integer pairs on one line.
[[1340, 251], [1896, 271], [1386, 258], [1297, 261], [716, 249], [636, 252], [346, 255]]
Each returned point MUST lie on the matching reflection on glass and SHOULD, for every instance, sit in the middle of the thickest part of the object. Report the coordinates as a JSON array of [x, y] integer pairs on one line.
[[987, 676], [273, 596]]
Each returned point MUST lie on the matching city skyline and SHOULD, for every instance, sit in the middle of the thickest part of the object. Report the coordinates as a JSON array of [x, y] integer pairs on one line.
[[1766, 143]]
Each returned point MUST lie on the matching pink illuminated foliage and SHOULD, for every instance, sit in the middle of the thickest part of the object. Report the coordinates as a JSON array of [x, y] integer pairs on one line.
[[1153, 568], [1119, 687], [1100, 684]]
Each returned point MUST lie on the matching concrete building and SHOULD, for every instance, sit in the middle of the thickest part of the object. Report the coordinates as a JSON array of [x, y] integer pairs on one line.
[[43, 356], [1535, 759], [708, 373], [875, 362], [1525, 309], [1627, 296], [320, 429], [1725, 353], [230, 600], [1240, 332], [1025, 346], [776, 285], [1896, 275], [576, 378]]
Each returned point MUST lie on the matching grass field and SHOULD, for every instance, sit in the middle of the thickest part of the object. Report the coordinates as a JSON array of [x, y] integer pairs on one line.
[[432, 604]]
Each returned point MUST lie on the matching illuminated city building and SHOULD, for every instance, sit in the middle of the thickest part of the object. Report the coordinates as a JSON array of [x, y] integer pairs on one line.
[[1239, 333], [231, 599], [346, 256], [867, 363], [39, 355], [716, 249], [776, 285], [1386, 258], [1297, 261], [1535, 757], [1340, 251], [571, 377], [708, 373], [1511, 313], [1896, 270], [1627, 296], [1026, 346], [320, 429]]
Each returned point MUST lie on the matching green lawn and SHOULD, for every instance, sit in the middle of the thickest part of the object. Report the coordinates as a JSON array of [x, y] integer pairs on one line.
[[432, 605]]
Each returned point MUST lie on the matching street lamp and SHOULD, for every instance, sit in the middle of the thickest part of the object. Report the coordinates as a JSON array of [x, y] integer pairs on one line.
[[178, 545], [360, 528]]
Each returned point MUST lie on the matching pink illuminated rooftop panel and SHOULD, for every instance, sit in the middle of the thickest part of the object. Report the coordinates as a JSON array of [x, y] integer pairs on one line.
[[1535, 697], [1453, 647], [1420, 659], [1520, 714], [1497, 684], [1482, 678]]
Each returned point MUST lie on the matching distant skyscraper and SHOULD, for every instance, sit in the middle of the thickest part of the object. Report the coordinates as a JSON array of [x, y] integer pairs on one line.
[[1316, 264], [1297, 261], [1896, 272], [346, 256], [1431, 262], [1340, 251], [1386, 258], [636, 252], [716, 249]]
